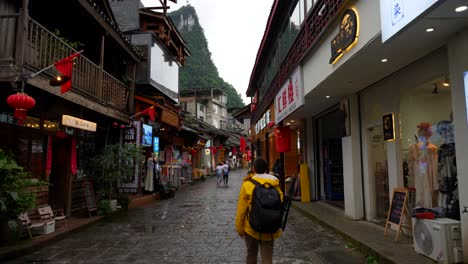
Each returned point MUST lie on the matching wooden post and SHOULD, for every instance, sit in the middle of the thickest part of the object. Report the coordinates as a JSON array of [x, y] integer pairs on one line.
[[21, 34], [131, 94], [101, 69]]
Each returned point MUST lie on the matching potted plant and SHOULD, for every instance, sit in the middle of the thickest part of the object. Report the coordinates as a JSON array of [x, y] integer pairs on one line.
[[14, 200], [117, 164]]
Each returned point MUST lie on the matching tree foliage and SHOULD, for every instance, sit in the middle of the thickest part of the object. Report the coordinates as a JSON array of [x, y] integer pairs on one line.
[[199, 71]]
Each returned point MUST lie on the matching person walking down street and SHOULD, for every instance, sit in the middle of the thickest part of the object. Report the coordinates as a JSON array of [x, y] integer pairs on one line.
[[254, 239], [219, 173], [225, 173]]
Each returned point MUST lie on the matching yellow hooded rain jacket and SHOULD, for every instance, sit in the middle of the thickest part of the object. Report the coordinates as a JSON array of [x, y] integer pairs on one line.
[[245, 201]]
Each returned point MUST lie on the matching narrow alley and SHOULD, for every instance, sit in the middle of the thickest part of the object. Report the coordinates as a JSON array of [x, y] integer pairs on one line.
[[197, 226]]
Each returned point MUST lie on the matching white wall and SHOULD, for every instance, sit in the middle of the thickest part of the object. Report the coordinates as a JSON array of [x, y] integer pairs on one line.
[[384, 98], [316, 67], [162, 72], [352, 174], [458, 63]]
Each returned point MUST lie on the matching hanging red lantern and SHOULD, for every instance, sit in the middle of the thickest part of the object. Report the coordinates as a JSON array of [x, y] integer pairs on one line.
[[234, 151], [115, 124], [21, 102], [283, 139], [193, 152], [243, 144]]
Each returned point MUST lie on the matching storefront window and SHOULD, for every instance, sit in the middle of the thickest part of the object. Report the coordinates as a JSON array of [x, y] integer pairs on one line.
[[428, 146]]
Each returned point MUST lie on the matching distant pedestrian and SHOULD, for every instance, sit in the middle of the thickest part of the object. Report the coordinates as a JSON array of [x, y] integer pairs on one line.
[[219, 173], [254, 239], [225, 173]]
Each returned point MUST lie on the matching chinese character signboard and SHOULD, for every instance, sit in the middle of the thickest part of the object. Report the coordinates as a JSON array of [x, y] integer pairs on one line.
[[396, 14], [72, 121], [133, 135], [346, 37], [388, 127], [263, 122], [290, 97]]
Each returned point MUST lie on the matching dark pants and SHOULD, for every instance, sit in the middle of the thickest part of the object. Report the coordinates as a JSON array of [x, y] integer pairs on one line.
[[225, 178], [266, 250]]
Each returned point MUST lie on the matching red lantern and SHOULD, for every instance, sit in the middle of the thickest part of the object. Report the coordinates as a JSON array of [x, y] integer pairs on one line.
[[243, 144], [21, 102], [193, 152], [283, 139], [234, 151], [115, 124]]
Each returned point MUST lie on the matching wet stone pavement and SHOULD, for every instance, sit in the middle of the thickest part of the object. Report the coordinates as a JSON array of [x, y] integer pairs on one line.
[[197, 226]]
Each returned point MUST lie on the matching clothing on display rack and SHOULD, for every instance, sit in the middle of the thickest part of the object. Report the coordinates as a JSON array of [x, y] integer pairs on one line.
[[149, 183], [447, 171], [423, 168]]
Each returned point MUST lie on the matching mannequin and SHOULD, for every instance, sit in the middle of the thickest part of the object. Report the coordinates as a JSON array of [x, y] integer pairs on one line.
[[149, 173], [423, 168]]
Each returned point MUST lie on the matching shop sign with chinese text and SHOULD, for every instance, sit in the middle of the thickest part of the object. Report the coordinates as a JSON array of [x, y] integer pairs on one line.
[[290, 97], [397, 14], [72, 121], [263, 122]]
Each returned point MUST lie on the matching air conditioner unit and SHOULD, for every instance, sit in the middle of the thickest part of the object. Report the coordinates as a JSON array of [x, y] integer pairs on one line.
[[439, 239]]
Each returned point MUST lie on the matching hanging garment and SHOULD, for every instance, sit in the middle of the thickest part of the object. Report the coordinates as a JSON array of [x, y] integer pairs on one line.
[[149, 175], [423, 167]]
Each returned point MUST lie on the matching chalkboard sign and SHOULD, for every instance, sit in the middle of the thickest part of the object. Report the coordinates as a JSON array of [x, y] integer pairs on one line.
[[89, 196], [398, 208]]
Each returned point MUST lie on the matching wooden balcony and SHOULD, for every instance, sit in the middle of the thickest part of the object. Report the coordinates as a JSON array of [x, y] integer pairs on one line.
[[43, 48]]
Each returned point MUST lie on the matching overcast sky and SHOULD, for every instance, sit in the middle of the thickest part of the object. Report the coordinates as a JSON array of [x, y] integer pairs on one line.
[[234, 30]]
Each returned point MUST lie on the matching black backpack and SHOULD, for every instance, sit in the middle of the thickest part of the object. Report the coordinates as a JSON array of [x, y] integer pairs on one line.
[[265, 215]]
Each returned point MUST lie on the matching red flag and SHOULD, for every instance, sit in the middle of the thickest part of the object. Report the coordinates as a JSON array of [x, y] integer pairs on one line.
[[283, 139], [151, 112], [65, 67]]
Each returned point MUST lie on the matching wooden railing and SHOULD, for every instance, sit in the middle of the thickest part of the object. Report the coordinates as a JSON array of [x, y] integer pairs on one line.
[[44, 48]]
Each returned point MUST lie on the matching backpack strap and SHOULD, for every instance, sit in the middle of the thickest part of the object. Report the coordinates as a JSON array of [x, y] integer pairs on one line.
[[254, 181]]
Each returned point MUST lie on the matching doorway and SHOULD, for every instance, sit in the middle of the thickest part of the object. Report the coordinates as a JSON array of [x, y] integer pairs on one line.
[[59, 179], [378, 172], [329, 130]]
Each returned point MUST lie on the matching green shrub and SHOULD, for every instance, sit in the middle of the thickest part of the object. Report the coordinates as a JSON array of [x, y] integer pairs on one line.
[[104, 207], [123, 200]]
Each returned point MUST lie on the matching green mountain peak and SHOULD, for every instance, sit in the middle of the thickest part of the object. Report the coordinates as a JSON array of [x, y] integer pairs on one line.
[[199, 71]]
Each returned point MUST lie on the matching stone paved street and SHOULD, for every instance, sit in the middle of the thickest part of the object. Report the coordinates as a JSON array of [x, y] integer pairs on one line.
[[197, 226]]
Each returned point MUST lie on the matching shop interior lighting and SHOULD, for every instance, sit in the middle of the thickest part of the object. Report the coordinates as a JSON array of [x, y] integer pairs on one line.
[[292, 121], [461, 8], [384, 60], [429, 29], [288, 124], [327, 96], [446, 83]]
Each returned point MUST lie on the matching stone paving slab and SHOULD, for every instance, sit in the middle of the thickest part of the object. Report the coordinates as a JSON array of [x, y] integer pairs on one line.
[[197, 226], [367, 235]]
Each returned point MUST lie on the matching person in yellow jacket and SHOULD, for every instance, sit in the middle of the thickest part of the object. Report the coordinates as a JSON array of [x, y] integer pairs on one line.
[[252, 238]]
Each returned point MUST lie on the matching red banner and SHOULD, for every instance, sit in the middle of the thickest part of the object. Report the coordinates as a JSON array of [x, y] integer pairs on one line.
[[73, 157], [49, 157], [283, 139]]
